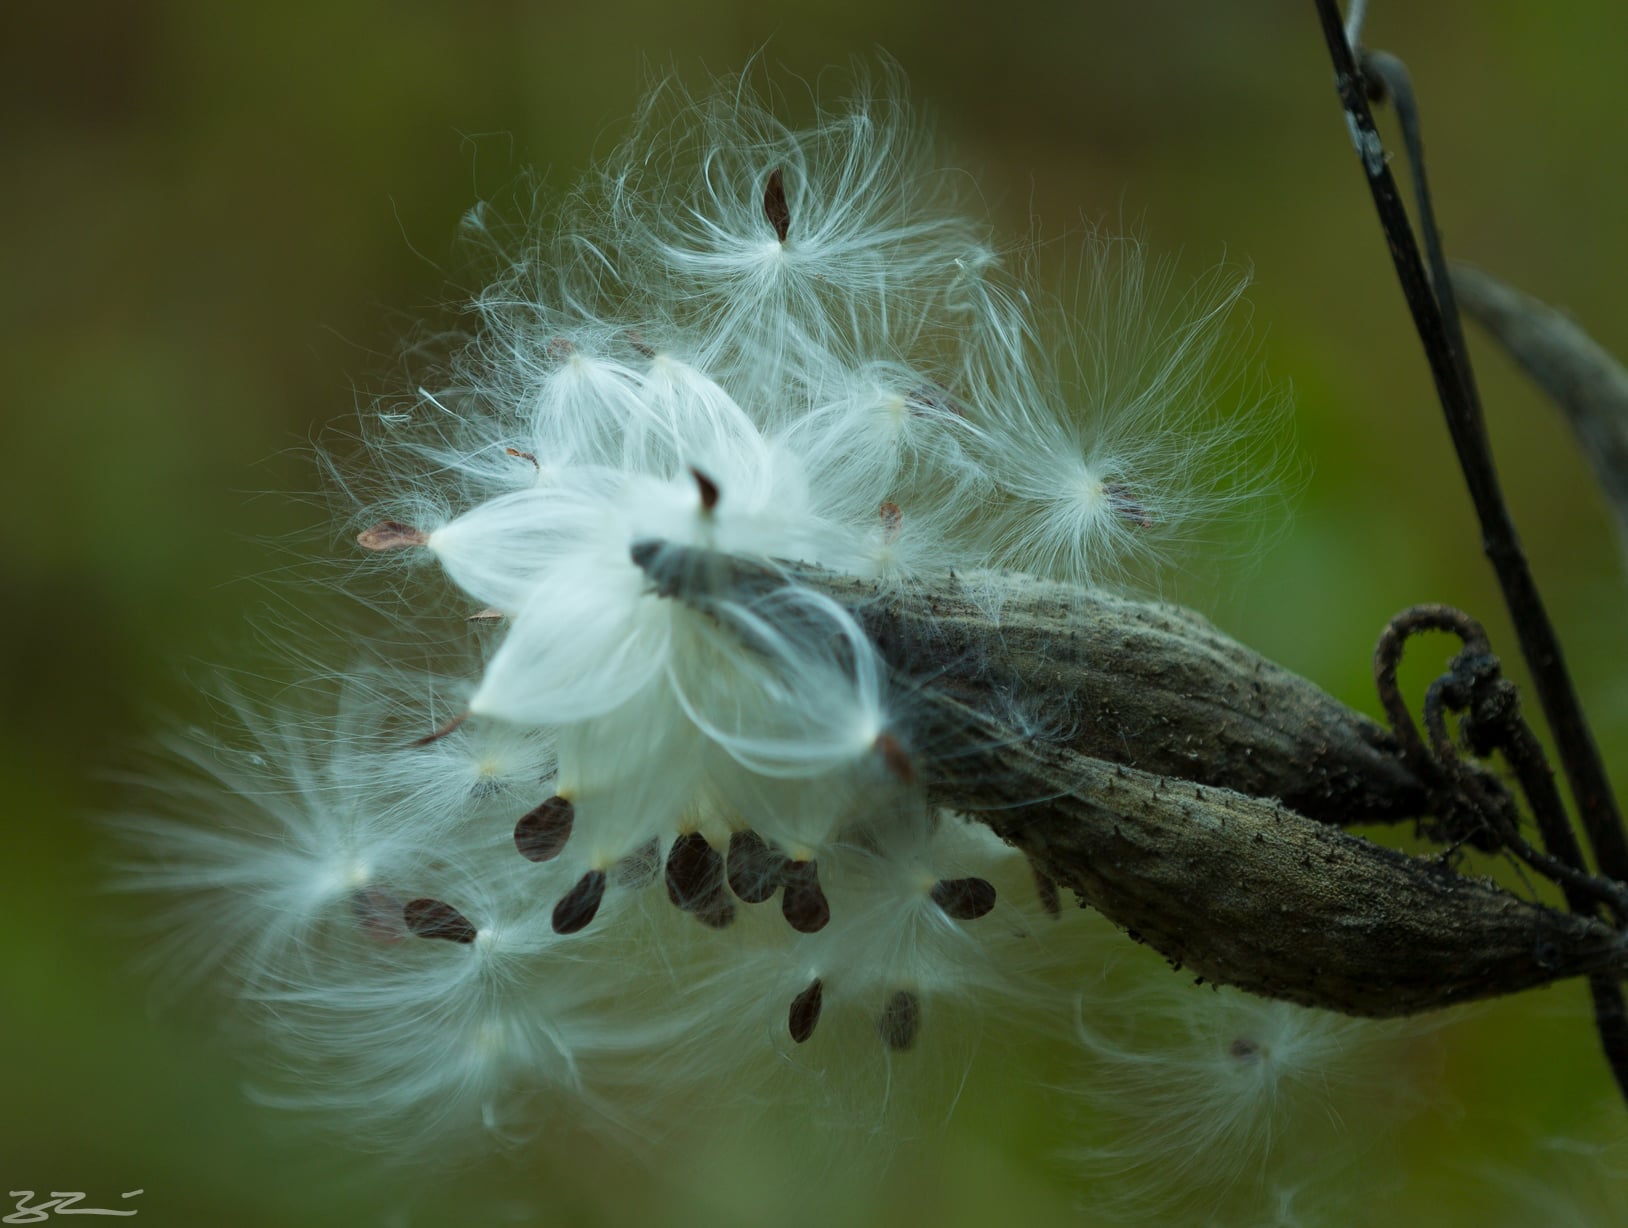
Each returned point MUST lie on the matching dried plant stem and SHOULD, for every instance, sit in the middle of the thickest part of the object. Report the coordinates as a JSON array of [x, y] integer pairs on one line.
[[1540, 646]]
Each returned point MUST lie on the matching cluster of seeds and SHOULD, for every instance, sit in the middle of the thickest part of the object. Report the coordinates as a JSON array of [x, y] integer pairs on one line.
[[740, 340]]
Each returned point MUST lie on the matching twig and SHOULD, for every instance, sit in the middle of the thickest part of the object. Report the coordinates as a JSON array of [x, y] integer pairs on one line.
[[1475, 686], [1539, 644]]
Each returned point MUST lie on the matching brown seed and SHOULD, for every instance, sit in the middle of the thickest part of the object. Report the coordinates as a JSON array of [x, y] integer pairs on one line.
[[1127, 505], [695, 872], [391, 535], [803, 902], [433, 919], [450, 727], [638, 869], [709, 489], [892, 521], [561, 348], [695, 881], [717, 912], [965, 899], [640, 346], [754, 867], [805, 1011], [896, 758], [578, 906], [542, 833], [519, 455], [378, 914], [491, 614], [1244, 1050], [775, 207], [901, 1019], [934, 399]]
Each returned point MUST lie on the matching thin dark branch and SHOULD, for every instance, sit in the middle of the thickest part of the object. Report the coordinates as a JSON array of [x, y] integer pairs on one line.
[[1539, 644], [1384, 69]]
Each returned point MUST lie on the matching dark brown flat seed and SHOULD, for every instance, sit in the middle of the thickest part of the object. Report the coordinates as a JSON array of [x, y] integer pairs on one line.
[[1244, 1050], [892, 521], [775, 207], [391, 535], [640, 867], [529, 457], [754, 867], [709, 489], [695, 872], [433, 919], [542, 833], [431, 738], [803, 902], [378, 914], [1127, 506], [805, 1011], [717, 912], [901, 1019], [578, 906], [896, 758], [965, 899]]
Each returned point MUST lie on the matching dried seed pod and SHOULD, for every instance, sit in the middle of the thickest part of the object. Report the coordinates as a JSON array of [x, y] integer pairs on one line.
[[900, 1021], [805, 1011], [803, 902], [542, 834], [754, 867], [965, 899], [578, 906], [1122, 681], [434, 919]]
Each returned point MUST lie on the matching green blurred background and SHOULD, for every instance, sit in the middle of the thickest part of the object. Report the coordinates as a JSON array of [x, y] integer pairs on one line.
[[223, 219]]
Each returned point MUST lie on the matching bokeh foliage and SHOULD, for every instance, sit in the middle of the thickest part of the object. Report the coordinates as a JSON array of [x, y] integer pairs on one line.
[[221, 221]]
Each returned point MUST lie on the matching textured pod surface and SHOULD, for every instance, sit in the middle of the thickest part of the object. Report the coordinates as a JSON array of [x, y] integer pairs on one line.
[[1147, 685], [1246, 892]]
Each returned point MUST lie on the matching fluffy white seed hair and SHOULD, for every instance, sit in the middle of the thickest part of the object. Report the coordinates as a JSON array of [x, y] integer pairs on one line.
[[672, 824]]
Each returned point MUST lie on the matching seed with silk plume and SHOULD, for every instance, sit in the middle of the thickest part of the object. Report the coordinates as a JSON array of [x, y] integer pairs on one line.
[[653, 820]]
